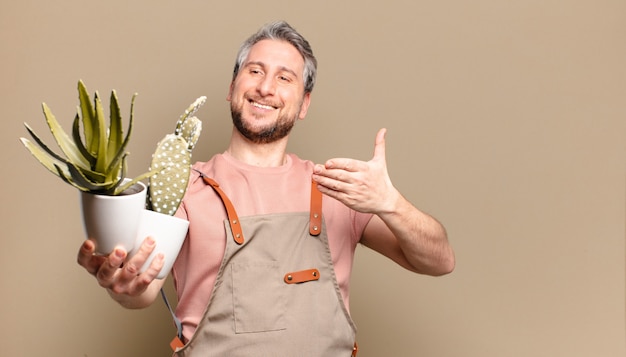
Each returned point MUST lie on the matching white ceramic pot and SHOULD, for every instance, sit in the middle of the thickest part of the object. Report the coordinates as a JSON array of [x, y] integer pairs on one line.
[[113, 221], [168, 232]]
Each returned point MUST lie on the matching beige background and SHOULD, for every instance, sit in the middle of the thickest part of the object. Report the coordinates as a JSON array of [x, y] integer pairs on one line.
[[506, 121]]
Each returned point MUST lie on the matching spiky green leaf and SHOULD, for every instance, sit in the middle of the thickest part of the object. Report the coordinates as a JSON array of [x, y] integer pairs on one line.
[[79, 143], [42, 144], [141, 177], [67, 178], [120, 154], [115, 126], [47, 160], [93, 176], [101, 154], [81, 180], [72, 153], [90, 126]]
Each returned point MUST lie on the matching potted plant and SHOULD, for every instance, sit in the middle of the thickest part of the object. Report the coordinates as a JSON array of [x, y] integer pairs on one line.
[[94, 161]]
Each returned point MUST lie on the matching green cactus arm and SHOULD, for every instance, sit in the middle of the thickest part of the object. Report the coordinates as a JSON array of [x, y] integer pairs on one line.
[[173, 155], [191, 129], [63, 140], [189, 112], [101, 154], [89, 119], [167, 188]]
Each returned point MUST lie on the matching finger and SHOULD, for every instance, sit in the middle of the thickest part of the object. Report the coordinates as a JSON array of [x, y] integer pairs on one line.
[[134, 264], [141, 282], [379, 145], [87, 258], [85, 253], [344, 164], [153, 269], [146, 248], [110, 266]]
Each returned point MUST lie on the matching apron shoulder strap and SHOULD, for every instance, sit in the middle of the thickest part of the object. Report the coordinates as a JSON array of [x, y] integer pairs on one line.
[[233, 219], [315, 220]]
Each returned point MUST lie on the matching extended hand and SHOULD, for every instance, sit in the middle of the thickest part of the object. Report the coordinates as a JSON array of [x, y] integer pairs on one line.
[[362, 186], [113, 272]]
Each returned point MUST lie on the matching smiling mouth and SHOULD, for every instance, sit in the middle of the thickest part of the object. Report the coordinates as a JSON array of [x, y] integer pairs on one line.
[[261, 106]]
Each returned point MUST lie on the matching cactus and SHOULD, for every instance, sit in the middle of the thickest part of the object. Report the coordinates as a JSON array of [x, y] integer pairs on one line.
[[172, 161], [95, 162]]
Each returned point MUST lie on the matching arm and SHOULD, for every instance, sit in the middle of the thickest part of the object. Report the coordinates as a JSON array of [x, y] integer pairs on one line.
[[398, 229], [122, 280]]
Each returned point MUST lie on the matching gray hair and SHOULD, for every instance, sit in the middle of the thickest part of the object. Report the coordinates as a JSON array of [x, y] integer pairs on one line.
[[281, 30]]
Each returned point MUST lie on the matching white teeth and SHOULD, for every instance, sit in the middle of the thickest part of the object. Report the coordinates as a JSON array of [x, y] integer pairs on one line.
[[262, 106]]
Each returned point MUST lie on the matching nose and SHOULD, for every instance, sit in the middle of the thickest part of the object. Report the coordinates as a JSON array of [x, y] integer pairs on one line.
[[266, 86]]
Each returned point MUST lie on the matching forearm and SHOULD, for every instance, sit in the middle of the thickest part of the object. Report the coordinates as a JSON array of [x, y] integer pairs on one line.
[[421, 239]]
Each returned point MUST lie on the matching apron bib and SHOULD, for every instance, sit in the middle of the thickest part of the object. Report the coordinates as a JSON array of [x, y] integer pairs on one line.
[[276, 293]]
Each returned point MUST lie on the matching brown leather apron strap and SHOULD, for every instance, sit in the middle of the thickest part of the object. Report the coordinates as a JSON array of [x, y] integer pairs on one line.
[[233, 219], [315, 228], [315, 222]]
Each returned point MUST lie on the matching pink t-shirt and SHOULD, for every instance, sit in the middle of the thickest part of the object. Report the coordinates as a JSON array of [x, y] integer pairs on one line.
[[253, 191]]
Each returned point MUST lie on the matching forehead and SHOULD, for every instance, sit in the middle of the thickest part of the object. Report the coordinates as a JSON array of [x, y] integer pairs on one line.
[[276, 54]]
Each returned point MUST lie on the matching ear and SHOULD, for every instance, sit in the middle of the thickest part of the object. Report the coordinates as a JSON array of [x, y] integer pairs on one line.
[[230, 91], [304, 108]]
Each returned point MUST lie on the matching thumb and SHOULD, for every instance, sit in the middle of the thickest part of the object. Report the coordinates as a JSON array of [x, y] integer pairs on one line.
[[379, 145]]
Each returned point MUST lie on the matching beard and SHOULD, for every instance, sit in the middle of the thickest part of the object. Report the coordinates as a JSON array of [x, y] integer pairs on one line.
[[264, 135]]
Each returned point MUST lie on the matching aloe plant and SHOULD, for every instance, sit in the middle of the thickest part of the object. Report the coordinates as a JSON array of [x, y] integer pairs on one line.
[[96, 161], [172, 162]]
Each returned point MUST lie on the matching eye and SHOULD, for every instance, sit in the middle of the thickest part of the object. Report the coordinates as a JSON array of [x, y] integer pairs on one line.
[[284, 79]]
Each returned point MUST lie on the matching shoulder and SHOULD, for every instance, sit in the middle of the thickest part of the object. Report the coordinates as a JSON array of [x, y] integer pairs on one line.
[[202, 168], [298, 163]]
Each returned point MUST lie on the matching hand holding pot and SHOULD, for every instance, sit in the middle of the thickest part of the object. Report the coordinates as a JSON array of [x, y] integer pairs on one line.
[[120, 276]]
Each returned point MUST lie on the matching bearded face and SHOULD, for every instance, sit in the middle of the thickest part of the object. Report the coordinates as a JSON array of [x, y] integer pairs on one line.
[[267, 95]]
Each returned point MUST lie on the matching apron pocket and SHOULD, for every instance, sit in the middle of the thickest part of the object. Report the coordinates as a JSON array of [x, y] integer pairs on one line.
[[258, 297]]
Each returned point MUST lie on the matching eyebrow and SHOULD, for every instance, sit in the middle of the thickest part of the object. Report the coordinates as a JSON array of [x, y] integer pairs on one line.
[[282, 68]]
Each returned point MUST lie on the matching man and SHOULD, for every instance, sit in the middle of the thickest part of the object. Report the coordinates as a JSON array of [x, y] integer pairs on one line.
[[266, 265]]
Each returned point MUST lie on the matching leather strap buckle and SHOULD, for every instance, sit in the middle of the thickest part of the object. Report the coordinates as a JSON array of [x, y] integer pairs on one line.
[[302, 276]]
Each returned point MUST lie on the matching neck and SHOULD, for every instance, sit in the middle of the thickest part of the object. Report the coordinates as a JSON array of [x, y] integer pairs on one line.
[[262, 155]]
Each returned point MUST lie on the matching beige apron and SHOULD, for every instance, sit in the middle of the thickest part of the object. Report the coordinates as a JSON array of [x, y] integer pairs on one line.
[[276, 293]]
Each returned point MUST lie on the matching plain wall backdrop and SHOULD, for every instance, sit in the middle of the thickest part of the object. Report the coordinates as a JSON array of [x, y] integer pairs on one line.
[[506, 121]]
